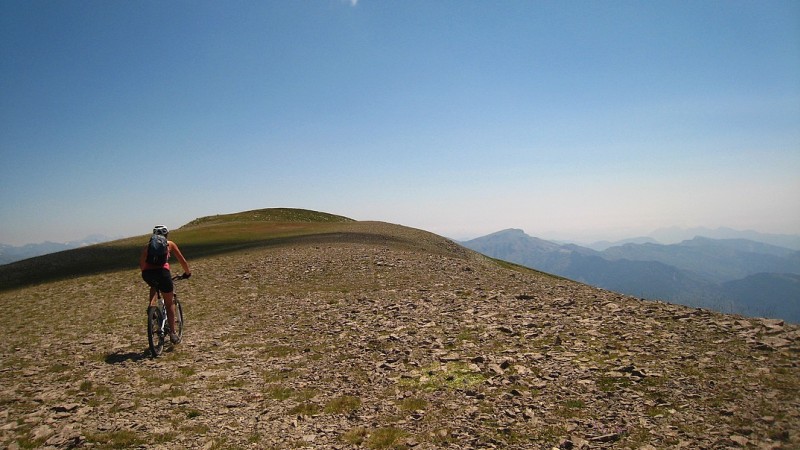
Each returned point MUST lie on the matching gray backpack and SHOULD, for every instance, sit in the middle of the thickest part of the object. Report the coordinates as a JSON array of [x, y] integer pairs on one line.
[[157, 250]]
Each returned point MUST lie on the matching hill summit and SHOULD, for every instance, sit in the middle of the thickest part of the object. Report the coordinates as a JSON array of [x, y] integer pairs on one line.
[[351, 335], [286, 215]]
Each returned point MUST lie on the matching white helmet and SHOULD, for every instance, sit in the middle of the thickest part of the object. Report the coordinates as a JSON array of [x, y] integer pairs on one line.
[[160, 229]]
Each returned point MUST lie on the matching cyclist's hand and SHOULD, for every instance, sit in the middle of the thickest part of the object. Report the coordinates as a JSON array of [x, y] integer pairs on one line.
[[186, 275]]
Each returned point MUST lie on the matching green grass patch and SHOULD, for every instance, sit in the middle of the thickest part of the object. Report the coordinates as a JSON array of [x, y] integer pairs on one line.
[[343, 405], [26, 442], [254, 438], [413, 404], [608, 384], [450, 376], [510, 437], [306, 409], [116, 439], [571, 408], [187, 371], [195, 429], [57, 368], [656, 411], [175, 391], [278, 376], [549, 433], [306, 394], [278, 351], [279, 393], [575, 404], [637, 437], [386, 438], [356, 436]]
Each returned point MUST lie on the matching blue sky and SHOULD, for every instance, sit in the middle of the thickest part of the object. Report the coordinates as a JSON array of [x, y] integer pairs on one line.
[[570, 120]]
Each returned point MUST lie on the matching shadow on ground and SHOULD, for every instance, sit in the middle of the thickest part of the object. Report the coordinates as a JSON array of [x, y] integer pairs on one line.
[[119, 357], [110, 257]]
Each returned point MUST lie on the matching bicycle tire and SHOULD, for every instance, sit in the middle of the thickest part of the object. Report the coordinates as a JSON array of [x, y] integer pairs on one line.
[[155, 337], [178, 317]]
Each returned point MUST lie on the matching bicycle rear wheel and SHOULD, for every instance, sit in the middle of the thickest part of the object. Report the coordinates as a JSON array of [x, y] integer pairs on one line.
[[178, 317], [155, 336]]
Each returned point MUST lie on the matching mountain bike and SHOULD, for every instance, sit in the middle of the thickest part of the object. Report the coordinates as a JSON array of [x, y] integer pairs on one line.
[[157, 324]]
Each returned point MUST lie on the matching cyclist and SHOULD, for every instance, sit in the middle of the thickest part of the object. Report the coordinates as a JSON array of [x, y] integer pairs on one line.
[[159, 278]]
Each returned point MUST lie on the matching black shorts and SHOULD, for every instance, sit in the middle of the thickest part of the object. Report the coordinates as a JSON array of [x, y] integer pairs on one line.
[[160, 279]]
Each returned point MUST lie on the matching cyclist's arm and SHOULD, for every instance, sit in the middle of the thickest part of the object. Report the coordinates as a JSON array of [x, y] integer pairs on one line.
[[143, 258], [177, 252]]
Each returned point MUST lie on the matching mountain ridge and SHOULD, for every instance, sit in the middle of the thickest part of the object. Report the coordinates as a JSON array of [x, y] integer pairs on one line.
[[691, 272], [718, 260], [671, 235]]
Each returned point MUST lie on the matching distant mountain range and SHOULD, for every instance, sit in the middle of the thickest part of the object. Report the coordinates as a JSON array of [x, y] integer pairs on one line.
[[10, 253], [674, 235], [740, 276]]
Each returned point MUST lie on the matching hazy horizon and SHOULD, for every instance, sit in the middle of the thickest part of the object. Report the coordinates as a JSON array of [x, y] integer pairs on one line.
[[550, 236], [570, 120]]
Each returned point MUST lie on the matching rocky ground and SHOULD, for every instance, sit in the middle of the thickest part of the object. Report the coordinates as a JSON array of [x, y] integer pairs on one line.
[[369, 344]]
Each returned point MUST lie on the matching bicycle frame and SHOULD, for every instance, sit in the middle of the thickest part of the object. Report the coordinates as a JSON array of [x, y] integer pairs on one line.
[[162, 306]]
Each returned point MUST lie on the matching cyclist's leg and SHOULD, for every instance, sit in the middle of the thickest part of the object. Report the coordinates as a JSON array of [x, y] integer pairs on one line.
[[153, 297], [161, 279], [152, 278], [170, 309]]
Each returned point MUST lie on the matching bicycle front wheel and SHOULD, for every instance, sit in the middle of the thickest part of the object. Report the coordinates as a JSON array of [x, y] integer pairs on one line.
[[155, 336]]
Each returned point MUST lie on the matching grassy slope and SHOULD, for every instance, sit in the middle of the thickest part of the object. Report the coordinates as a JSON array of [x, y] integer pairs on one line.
[[216, 235]]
